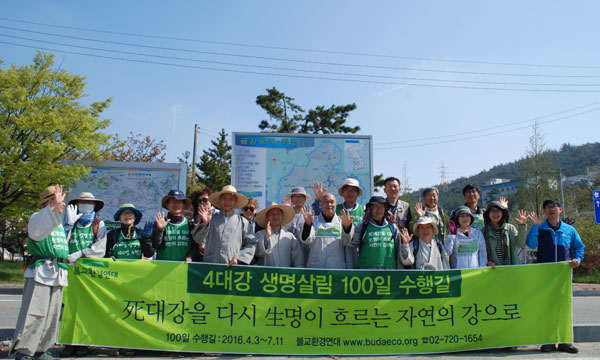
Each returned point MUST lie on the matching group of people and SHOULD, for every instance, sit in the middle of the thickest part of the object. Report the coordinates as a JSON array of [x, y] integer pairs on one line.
[[225, 227]]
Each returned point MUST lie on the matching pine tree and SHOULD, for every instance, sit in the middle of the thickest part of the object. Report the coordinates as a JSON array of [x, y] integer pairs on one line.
[[215, 163]]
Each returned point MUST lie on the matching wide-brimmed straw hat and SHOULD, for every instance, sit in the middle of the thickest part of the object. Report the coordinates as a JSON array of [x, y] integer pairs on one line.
[[47, 194], [176, 194], [351, 182], [88, 196], [215, 198], [131, 207], [288, 214], [426, 220], [299, 191]]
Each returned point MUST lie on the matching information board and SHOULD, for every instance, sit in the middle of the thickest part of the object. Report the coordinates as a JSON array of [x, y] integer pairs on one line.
[[142, 184], [267, 166]]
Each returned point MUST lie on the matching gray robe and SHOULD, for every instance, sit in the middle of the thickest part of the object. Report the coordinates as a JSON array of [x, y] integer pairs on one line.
[[327, 251], [225, 241], [281, 250]]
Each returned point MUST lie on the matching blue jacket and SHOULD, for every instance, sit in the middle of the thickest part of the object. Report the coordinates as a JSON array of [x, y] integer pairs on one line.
[[552, 246]]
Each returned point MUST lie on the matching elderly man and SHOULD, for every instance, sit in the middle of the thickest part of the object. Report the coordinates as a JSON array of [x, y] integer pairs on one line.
[[555, 241], [297, 198], [351, 192], [225, 237], [400, 209], [45, 277], [324, 234], [431, 197], [276, 246]]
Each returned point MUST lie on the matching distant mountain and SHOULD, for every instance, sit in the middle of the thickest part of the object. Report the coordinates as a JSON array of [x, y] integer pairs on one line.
[[571, 159]]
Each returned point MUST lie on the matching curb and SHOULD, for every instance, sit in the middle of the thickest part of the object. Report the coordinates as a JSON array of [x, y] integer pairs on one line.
[[11, 291], [586, 333], [586, 292]]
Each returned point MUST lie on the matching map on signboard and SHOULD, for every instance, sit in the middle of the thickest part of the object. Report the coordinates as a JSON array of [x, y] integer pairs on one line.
[[144, 188], [267, 167]]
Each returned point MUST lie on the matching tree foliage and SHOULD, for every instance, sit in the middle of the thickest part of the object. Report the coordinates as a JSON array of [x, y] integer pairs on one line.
[[43, 121], [135, 148], [287, 117], [215, 163], [538, 169]]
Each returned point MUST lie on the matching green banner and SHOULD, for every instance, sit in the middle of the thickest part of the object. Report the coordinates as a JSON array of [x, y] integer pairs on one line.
[[246, 309]]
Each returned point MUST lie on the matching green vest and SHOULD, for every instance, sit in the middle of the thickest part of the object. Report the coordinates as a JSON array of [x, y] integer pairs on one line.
[[358, 213], [177, 242], [126, 248], [377, 248], [81, 238], [54, 245], [477, 222]]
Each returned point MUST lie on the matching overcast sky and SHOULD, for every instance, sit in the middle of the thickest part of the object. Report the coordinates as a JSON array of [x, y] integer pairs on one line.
[[457, 82]]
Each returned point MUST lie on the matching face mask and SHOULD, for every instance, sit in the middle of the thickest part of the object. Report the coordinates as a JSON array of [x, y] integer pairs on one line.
[[86, 208]]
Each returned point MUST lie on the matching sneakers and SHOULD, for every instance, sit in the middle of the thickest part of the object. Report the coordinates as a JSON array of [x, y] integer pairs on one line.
[[568, 348], [547, 348]]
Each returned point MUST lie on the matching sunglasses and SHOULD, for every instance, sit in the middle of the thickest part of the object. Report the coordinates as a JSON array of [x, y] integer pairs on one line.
[[203, 199], [248, 208]]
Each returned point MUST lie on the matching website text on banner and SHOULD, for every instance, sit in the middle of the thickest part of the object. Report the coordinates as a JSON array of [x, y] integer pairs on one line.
[[210, 308]]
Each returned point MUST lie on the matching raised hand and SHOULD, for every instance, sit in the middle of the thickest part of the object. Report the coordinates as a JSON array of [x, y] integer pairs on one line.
[[288, 201], [522, 219], [58, 201], [308, 214], [534, 219], [161, 221], [205, 214], [419, 209], [268, 230], [318, 190], [502, 200], [72, 215], [405, 236], [346, 218]]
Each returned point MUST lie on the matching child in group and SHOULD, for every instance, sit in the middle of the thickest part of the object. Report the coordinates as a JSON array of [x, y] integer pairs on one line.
[[126, 242]]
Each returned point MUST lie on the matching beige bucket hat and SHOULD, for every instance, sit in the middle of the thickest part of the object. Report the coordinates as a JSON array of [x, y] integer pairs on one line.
[[215, 198], [426, 220], [88, 196], [351, 182]]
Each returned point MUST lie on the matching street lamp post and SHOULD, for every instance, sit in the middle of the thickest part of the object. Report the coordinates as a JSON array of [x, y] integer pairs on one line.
[[194, 155]]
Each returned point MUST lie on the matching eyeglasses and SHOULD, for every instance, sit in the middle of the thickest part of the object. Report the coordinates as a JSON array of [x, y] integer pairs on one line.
[[248, 208], [203, 199]]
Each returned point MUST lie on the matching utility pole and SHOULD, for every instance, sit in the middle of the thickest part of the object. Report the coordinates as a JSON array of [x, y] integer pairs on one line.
[[194, 155]]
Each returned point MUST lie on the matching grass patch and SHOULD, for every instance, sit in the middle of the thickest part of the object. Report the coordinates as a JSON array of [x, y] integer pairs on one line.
[[11, 271]]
